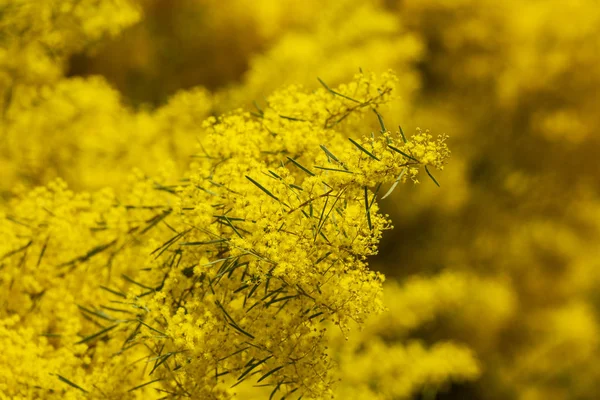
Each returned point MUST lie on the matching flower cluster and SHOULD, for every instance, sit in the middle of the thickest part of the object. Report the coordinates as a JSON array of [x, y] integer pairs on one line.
[[235, 272]]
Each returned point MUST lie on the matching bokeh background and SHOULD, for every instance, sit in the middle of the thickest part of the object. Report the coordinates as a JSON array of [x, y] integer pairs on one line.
[[493, 282]]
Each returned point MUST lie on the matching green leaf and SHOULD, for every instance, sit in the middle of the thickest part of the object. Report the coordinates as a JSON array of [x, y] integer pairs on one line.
[[253, 366], [169, 242], [128, 279], [155, 220], [398, 179], [297, 164], [10, 253], [237, 327], [208, 242], [145, 384], [244, 286], [258, 108], [431, 176], [271, 372], [120, 294], [96, 250], [380, 118], [401, 152], [277, 300], [323, 220], [334, 169], [231, 321], [275, 390], [160, 360], [275, 175], [322, 258], [329, 154], [402, 133], [234, 353], [363, 149], [368, 209], [151, 328], [97, 334], [273, 293], [316, 315], [336, 93], [43, 251], [98, 314], [68, 382], [292, 118], [261, 187]]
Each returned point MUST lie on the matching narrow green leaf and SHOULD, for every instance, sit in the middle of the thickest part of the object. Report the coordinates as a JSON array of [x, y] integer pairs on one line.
[[275, 390], [303, 292], [68, 382], [97, 334], [277, 300], [253, 366], [120, 294], [323, 220], [98, 314], [323, 258], [117, 310], [431, 176], [253, 290], [128, 279], [271, 372], [171, 241], [292, 118], [343, 117], [402, 133], [207, 191], [16, 221], [145, 384], [398, 179], [336, 93], [96, 250], [329, 154], [162, 359], [237, 327], [275, 175], [401, 152], [297, 164], [334, 169], [155, 220], [367, 208], [231, 321], [258, 107], [261, 187], [151, 328], [273, 293], [234, 353], [207, 242], [218, 303], [375, 195], [10, 253], [217, 375], [43, 251], [380, 118], [363, 149], [316, 315], [244, 286]]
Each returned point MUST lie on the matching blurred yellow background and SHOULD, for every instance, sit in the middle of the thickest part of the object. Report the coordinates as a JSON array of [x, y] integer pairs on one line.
[[494, 289]]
